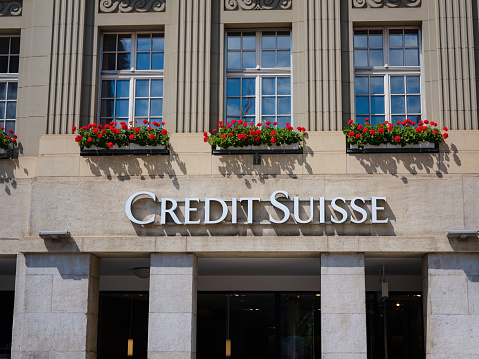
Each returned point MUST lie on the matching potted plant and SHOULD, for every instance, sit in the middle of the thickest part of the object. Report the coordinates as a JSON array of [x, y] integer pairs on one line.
[[7, 141], [243, 136], [114, 138], [423, 136]]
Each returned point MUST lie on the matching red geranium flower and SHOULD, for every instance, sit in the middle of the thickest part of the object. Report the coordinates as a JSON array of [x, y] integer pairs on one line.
[[223, 135], [74, 129], [351, 134], [137, 129], [397, 139], [132, 137], [99, 135], [350, 122], [445, 128], [358, 135], [273, 133], [95, 131], [273, 140], [77, 139], [372, 132], [10, 131], [89, 140], [445, 135], [164, 132], [205, 139], [434, 132], [151, 136], [205, 133], [110, 145]]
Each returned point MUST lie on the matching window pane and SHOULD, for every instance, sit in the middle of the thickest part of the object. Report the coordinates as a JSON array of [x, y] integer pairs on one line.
[[3, 64], [284, 105], [413, 104], [233, 87], [411, 38], [283, 120], [375, 38], [124, 42], [3, 90], [248, 88], [396, 57], [11, 109], [234, 41], [376, 119], [108, 62], [361, 85], [156, 108], [121, 108], [15, 45], [268, 40], [234, 59], [269, 118], [142, 88], [284, 86], [156, 88], [14, 64], [284, 40], [376, 58], [360, 57], [397, 104], [360, 39], [10, 125], [2, 111], [4, 45], [412, 57], [377, 85], [141, 107], [233, 106], [143, 61], [395, 38], [123, 61], [397, 84], [269, 86], [414, 118], [249, 41], [143, 42], [284, 58], [413, 84], [158, 42], [12, 91], [122, 88], [107, 108], [109, 43], [269, 106], [377, 104], [248, 106], [362, 104], [249, 59], [157, 61], [269, 59], [398, 118]]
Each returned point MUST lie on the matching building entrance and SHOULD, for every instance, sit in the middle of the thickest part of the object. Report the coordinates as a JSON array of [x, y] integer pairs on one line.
[[259, 325]]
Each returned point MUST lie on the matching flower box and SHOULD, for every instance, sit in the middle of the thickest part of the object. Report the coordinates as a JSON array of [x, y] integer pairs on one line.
[[293, 148], [131, 149], [428, 147]]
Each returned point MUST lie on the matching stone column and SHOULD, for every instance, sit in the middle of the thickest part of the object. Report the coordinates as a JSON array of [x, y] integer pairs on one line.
[[451, 289], [172, 317], [56, 306], [343, 307]]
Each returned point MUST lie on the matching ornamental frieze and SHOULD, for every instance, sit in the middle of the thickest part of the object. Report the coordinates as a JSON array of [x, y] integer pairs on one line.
[[258, 4], [126, 6], [10, 8], [387, 3]]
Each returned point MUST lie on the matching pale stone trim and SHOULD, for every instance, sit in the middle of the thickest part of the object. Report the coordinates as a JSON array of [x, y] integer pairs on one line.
[[11, 8], [258, 4]]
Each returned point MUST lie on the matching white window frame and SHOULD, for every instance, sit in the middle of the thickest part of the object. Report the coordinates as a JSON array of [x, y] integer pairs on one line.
[[8, 78], [259, 72], [387, 70], [132, 74]]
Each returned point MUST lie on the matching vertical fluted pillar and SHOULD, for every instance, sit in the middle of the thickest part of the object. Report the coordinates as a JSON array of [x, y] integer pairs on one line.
[[192, 97], [323, 65], [66, 65]]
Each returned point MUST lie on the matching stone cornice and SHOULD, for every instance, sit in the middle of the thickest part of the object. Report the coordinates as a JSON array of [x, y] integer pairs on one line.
[[258, 4], [386, 3], [10, 8], [129, 6]]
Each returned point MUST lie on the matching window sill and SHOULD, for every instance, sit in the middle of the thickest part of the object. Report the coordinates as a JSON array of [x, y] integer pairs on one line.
[[282, 149], [422, 147], [125, 151], [6, 154]]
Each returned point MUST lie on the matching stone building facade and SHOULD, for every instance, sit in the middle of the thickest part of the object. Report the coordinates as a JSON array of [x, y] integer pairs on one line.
[[52, 289]]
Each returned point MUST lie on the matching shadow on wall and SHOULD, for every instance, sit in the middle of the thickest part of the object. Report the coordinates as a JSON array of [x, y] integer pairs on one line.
[[394, 163], [125, 167]]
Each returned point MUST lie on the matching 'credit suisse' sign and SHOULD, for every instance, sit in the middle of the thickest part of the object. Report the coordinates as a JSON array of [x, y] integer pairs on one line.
[[169, 206]]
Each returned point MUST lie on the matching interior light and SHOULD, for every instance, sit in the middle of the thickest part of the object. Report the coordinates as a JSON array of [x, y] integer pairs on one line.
[[130, 347], [397, 304], [228, 347]]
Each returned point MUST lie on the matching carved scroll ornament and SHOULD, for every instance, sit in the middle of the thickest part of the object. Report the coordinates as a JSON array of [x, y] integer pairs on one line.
[[109, 6], [258, 4], [387, 3], [10, 8]]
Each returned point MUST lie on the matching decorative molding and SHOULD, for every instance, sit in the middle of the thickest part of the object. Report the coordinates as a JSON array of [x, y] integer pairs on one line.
[[258, 4], [387, 3], [125, 6], [10, 8]]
